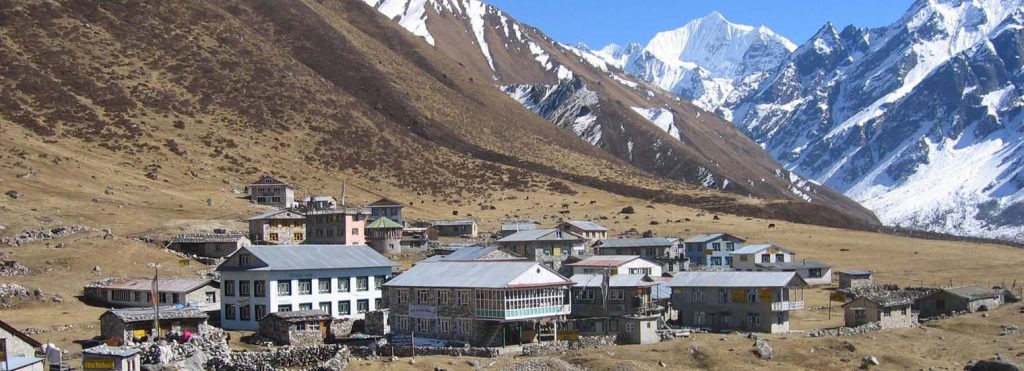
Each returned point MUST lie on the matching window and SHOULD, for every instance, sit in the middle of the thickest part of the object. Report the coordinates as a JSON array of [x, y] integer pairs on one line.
[[443, 297], [730, 246], [344, 308], [259, 288], [615, 294], [462, 297], [780, 318], [244, 314], [362, 283], [697, 296], [779, 258], [261, 311], [639, 270], [175, 298], [446, 325], [163, 297], [298, 236], [284, 308], [344, 284], [814, 272], [464, 326], [403, 296], [378, 281], [363, 305], [765, 258], [403, 323], [422, 297], [325, 306], [305, 306], [723, 296], [585, 295], [422, 325], [888, 312], [273, 237], [284, 288], [275, 199], [324, 284], [243, 288], [630, 327], [743, 258], [716, 260], [120, 295], [717, 246], [355, 231], [728, 261], [754, 319], [699, 319], [305, 287], [243, 259], [378, 303], [556, 251], [751, 295], [211, 297], [229, 311], [138, 296], [229, 288]]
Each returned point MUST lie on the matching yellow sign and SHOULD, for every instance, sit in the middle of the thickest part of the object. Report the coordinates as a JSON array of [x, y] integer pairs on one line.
[[98, 364], [568, 335], [837, 296], [139, 333], [765, 294], [739, 295]]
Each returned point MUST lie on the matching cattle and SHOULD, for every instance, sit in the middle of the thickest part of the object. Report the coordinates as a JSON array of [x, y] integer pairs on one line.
[[771, 225]]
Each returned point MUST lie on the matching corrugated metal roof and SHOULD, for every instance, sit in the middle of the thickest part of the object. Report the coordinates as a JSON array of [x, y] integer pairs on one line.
[[807, 264], [587, 225], [106, 350], [737, 279], [756, 248], [453, 222], [302, 257], [518, 226], [310, 314], [476, 274], [269, 180], [474, 253], [605, 260], [635, 242], [856, 272], [340, 210], [386, 202], [166, 312], [547, 234], [382, 223], [277, 214], [179, 285], [618, 280], [705, 237], [207, 237]]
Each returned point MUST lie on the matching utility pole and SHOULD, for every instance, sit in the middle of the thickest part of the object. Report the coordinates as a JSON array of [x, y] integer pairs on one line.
[[156, 300]]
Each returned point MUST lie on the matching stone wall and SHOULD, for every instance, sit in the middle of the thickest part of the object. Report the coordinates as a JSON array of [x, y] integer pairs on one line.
[[376, 322], [293, 358], [342, 328], [407, 351], [584, 342]]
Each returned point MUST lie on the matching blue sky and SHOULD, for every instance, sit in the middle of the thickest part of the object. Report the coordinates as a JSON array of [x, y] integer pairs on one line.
[[600, 22]]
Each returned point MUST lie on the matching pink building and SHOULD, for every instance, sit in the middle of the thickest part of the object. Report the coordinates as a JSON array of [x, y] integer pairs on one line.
[[342, 226]]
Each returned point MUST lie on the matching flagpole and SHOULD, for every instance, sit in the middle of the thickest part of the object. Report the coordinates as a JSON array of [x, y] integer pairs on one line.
[[156, 301]]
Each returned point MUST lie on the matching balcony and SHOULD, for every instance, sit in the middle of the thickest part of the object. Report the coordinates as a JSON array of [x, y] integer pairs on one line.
[[524, 313], [787, 305]]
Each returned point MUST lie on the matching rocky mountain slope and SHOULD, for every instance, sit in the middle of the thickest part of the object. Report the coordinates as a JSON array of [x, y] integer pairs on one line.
[[628, 118], [188, 97], [920, 120]]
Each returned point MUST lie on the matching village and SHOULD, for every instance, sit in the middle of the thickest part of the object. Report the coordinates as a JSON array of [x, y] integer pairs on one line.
[[318, 282]]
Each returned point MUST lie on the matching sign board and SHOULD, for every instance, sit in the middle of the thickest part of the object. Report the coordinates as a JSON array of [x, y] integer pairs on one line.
[[401, 339], [765, 294], [837, 296], [422, 311], [98, 364], [568, 335]]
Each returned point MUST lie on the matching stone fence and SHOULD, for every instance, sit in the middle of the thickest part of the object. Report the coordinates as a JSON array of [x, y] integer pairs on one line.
[[407, 351], [291, 358], [584, 342]]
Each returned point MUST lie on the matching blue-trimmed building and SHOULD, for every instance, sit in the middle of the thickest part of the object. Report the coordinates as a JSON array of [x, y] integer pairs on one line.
[[712, 249]]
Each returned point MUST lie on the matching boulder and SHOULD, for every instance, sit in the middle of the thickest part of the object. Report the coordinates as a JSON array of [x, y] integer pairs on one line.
[[992, 365]]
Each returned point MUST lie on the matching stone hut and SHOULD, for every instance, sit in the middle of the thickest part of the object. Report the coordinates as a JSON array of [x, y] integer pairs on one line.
[[385, 236], [889, 309], [137, 323], [300, 328], [209, 245], [959, 299], [854, 279]]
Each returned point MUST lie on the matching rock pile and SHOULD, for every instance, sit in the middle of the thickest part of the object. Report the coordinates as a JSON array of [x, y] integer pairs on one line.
[[845, 331], [289, 358], [13, 294], [1005, 330], [762, 349], [542, 364], [57, 328], [584, 342], [41, 234], [12, 268], [209, 343]]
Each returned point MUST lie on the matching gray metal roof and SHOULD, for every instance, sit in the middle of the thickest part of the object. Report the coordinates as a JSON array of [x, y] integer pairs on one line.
[[310, 314], [547, 234], [477, 274], [385, 202], [737, 279], [308, 257], [171, 284], [705, 237], [207, 237], [523, 226], [474, 253], [618, 280], [756, 248], [166, 312], [807, 264], [452, 222], [606, 260], [587, 225], [635, 242], [277, 214], [973, 292], [856, 272]]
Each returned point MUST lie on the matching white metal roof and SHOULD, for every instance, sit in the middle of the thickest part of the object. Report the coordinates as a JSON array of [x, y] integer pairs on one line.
[[756, 248], [587, 225], [618, 280], [705, 237], [609, 261], [303, 257], [635, 242], [478, 274], [547, 234], [737, 279]]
